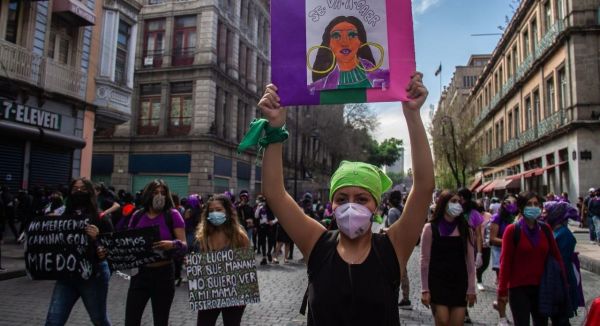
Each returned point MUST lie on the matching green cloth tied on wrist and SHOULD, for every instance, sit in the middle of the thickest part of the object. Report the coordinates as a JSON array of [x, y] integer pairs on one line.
[[261, 135]]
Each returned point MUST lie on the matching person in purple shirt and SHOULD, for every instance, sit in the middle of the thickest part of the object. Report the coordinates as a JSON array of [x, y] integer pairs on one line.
[[156, 281], [505, 216]]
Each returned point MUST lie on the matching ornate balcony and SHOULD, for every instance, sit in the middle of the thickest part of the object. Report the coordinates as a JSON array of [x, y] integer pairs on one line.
[[22, 65], [544, 128], [541, 47], [64, 79]]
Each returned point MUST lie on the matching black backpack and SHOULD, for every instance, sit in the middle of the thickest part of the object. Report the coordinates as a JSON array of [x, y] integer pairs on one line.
[[517, 233]]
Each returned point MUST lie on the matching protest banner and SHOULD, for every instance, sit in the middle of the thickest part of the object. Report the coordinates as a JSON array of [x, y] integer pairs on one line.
[[131, 248], [58, 248], [221, 279], [352, 51]]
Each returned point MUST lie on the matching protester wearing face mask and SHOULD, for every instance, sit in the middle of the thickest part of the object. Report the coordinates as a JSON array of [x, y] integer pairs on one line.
[[219, 229], [81, 203], [448, 262], [522, 264], [506, 215], [156, 281], [353, 274], [55, 207]]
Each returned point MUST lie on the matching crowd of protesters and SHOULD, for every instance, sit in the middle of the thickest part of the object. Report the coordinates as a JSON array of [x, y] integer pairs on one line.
[[356, 245]]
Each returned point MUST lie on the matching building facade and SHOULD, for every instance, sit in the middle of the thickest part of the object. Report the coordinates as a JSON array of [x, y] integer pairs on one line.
[[450, 129], [200, 69], [536, 106], [46, 118]]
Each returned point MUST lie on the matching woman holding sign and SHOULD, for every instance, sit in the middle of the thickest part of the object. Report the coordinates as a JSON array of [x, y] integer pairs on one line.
[[81, 203], [218, 230], [156, 281], [353, 274]]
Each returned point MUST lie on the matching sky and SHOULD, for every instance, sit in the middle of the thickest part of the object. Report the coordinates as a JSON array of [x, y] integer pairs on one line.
[[443, 30]]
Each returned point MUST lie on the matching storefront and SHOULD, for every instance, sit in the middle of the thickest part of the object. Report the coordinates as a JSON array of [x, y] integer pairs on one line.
[[39, 146]]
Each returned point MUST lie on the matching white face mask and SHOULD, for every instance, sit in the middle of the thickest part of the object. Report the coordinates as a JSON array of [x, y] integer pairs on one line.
[[353, 219], [454, 209], [158, 202]]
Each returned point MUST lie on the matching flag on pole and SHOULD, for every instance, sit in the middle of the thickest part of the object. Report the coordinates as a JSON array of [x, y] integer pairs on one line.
[[439, 70]]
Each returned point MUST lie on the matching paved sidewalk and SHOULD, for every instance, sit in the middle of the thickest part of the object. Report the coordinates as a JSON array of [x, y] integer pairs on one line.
[[589, 254], [12, 259]]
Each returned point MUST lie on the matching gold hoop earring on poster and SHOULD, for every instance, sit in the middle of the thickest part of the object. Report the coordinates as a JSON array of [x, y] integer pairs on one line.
[[379, 63], [320, 71]]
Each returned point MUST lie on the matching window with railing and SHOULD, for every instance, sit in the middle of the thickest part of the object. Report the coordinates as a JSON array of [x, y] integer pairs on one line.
[[184, 44], [550, 94], [12, 22], [61, 41], [534, 35], [547, 16], [563, 88], [222, 113], [154, 36], [123, 39], [536, 107], [182, 108], [149, 114], [510, 125], [528, 113], [517, 116], [242, 62], [525, 47]]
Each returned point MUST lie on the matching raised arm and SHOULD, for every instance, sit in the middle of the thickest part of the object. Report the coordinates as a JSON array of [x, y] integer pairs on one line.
[[406, 231], [303, 230]]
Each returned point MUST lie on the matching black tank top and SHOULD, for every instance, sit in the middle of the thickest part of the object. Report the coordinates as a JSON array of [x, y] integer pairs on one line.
[[344, 294]]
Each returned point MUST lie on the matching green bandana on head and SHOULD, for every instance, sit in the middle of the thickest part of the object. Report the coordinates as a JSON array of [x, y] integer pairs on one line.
[[358, 174]]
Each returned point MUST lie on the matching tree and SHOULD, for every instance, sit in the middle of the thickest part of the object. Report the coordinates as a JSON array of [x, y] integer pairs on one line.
[[453, 153], [386, 153], [360, 117]]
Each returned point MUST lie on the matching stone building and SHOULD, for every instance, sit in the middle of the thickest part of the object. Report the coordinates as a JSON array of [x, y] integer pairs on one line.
[[46, 118], [450, 125], [536, 106], [200, 69]]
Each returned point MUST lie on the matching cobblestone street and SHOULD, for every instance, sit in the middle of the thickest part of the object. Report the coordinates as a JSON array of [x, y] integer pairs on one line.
[[25, 302]]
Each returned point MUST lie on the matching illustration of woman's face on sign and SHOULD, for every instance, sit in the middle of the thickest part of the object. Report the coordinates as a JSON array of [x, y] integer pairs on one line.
[[346, 51], [344, 43]]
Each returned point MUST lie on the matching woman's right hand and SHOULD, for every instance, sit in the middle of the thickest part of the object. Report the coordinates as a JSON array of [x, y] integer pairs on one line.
[[270, 107], [426, 299]]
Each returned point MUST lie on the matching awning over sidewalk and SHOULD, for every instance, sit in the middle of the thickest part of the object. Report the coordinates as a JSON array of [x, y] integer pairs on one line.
[[475, 183], [482, 186], [492, 185]]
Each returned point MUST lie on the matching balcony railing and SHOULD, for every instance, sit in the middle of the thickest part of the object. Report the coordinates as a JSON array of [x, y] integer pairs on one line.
[[532, 134], [63, 79], [20, 64], [541, 47], [183, 56]]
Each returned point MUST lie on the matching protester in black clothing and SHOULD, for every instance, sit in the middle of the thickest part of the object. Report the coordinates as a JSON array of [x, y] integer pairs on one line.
[[266, 231], [23, 211], [9, 210], [108, 202], [94, 291], [245, 213]]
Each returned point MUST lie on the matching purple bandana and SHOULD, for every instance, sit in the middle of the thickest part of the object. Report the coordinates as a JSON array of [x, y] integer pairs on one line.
[[532, 234], [446, 228]]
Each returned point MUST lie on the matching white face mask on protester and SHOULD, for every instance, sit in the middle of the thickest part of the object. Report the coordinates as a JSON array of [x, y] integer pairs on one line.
[[158, 202], [454, 209], [353, 219]]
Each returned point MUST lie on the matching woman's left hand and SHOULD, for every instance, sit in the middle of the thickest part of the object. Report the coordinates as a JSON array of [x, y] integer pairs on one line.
[[471, 299], [163, 245], [417, 93], [92, 231]]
